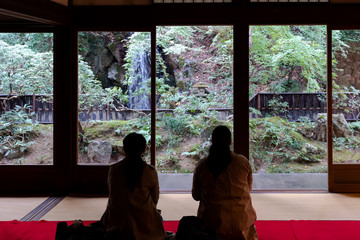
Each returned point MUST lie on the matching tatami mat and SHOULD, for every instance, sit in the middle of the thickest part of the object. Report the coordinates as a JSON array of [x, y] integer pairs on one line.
[[307, 206], [17, 208], [72, 208], [269, 206]]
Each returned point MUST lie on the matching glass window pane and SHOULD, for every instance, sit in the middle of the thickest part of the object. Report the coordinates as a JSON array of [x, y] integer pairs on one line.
[[114, 93], [288, 99], [194, 92], [346, 101], [26, 98]]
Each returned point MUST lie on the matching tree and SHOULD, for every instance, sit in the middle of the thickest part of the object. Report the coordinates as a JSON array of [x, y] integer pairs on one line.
[[23, 71], [38, 42], [288, 58]]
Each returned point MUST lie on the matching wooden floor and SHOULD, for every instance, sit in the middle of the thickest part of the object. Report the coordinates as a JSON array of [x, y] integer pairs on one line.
[[269, 206]]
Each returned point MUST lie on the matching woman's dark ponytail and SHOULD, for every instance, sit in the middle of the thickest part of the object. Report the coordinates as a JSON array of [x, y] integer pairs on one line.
[[134, 147], [219, 153]]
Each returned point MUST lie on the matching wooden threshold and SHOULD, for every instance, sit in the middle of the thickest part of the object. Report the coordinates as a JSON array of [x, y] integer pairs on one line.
[[37, 213]]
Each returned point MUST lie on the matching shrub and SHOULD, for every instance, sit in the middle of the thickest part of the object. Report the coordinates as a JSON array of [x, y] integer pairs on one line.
[[177, 125], [354, 126], [16, 129]]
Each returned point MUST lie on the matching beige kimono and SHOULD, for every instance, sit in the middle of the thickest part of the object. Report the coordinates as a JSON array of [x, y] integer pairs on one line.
[[225, 202], [133, 214]]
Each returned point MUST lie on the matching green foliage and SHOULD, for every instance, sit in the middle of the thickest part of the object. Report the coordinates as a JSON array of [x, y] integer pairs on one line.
[[346, 98], [287, 58], [178, 124], [305, 125], [348, 143], [255, 111], [27, 69], [277, 106], [23, 71], [16, 130], [175, 39], [198, 151], [274, 140], [91, 93], [37, 42], [354, 126]]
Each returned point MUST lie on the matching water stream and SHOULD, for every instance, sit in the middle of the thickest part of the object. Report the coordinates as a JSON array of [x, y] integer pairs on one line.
[[139, 90]]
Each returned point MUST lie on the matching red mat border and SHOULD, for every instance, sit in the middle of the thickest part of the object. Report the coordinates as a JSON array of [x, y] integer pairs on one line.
[[267, 229]]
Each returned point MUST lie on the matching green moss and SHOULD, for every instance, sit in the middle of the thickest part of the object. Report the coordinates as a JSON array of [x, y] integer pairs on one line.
[[297, 168], [105, 128], [298, 137], [40, 128]]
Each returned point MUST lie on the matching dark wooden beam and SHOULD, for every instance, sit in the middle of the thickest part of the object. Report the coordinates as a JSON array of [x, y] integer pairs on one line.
[[41, 11], [219, 14]]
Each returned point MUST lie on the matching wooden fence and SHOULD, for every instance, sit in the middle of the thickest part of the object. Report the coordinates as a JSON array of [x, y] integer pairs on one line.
[[40, 104], [307, 104], [298, 105]]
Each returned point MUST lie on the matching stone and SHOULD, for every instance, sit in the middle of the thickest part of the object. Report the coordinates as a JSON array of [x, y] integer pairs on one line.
[[320, 129], [205, 135], [114, 48], [117, 149], [106, 58], [310, 153], [99, 152], [178, 76], [14, 153], [340, 127], [116, 73], [2, 153], [308, 148]]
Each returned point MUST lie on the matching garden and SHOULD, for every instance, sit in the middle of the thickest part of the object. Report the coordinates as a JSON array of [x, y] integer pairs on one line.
[[194, 93]]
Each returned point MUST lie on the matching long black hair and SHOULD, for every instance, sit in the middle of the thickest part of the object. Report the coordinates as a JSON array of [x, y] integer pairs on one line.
[[219, 153], [134, 146]]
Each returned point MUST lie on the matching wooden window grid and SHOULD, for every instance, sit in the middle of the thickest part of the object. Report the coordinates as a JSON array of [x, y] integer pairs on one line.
[[291, 1], [192, 1]]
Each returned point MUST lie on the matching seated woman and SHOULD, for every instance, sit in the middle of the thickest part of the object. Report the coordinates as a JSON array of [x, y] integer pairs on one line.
[[133, 194], [222, 183]]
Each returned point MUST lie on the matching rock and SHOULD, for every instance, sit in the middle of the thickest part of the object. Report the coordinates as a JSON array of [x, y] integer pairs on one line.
[[14, 153], [99, 152], [205, 135], [180, 84], [340, 127], [118, 149], [114, 48], [178, 77], [310, 153], [320, 129], [106, 58], [116, 73], [2, 153], [311, 149]]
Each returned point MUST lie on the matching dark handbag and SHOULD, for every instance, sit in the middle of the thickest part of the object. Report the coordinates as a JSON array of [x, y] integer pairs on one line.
[[77, 231], [193, 228]]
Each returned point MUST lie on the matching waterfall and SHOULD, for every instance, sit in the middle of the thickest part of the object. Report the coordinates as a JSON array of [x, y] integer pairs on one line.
[[139, 90]]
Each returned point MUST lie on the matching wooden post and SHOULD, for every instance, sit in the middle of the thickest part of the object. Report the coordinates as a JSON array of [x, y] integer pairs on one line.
[[153, 97], [33, 102], [258, 103], [241, 88]]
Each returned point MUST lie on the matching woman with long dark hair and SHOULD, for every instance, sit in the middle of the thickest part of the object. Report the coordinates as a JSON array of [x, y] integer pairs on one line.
[[133, 195], [222, 183]]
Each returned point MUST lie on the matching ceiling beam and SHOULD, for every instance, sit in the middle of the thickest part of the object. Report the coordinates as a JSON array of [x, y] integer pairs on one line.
[[198, 14], [41, 11]]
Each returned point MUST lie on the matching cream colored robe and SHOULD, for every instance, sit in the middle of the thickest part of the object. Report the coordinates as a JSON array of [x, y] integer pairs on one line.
[[225, 202], [133, 214]]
